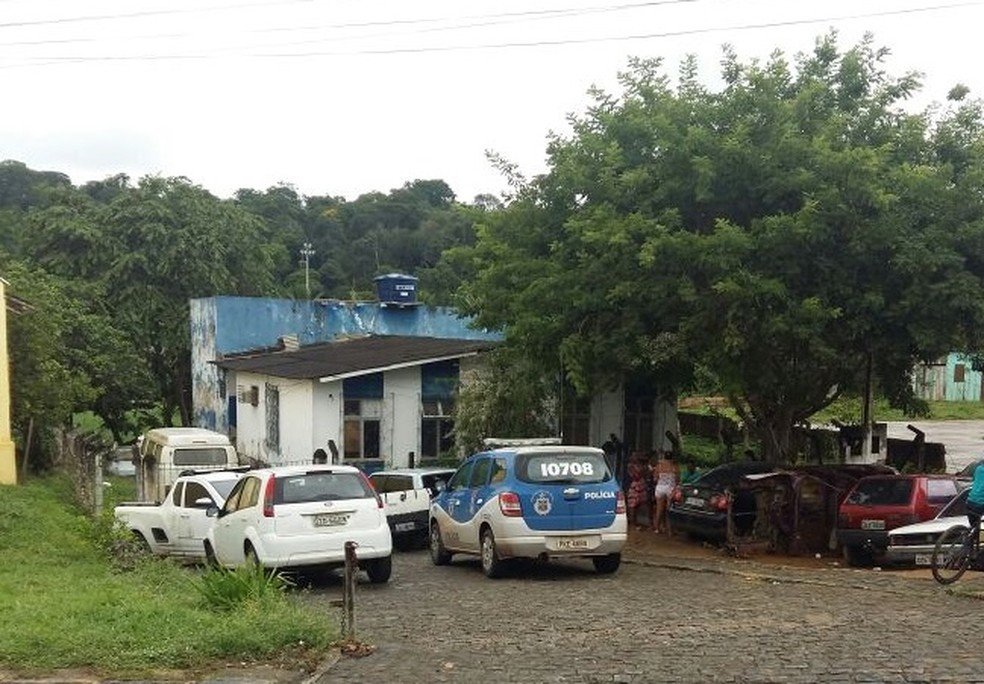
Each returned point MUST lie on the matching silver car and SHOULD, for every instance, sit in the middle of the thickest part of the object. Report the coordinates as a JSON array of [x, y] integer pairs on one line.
[[914, 544]]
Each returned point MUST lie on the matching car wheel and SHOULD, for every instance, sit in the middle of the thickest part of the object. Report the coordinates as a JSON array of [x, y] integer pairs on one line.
[[606, 565], [210, 560], [252, 560], [439, 554], [492, 565], [857, 557], [379, 569], [142, 542]]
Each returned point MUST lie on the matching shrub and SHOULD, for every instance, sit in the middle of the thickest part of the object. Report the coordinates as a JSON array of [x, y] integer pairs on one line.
[[226, 589]]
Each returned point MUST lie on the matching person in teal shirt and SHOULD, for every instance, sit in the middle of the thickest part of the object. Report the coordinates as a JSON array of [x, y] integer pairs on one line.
[[975, 500]]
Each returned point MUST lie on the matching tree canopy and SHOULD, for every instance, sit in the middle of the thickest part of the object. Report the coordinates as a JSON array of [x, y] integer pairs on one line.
[[774, 234]]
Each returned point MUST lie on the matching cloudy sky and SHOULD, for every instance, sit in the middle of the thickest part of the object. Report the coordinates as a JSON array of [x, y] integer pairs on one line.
[[343, 97]]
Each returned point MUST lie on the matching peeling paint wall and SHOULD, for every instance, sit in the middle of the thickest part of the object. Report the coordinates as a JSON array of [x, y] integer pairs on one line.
[[227, 325]]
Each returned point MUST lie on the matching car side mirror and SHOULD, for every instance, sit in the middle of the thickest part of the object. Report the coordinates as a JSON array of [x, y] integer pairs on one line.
[[439, 486], [204, 502], [212, 511]]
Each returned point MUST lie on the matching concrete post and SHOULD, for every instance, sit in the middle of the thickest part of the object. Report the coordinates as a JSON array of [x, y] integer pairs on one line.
[[8, 460]]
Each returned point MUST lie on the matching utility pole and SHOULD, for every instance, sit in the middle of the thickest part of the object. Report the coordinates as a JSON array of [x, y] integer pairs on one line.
[[306, 253]]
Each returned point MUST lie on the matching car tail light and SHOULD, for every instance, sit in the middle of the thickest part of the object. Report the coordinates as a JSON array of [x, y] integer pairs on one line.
[[719, 502], [268, 498], [677, 495], [509, 505], [619, 503], [379, 499]]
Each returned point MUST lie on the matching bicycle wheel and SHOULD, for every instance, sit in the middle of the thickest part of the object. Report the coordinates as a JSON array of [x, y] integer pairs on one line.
[[951, 556]]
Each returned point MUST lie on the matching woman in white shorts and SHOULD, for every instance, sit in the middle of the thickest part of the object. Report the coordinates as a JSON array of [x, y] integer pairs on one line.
[[665, 479]]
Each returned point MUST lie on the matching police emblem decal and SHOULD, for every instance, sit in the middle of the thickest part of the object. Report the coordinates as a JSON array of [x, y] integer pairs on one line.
[[542, 503]]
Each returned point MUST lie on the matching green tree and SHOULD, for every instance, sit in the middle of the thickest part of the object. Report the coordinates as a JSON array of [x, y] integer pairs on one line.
[[778, 233], [152, 248], [67, 356]]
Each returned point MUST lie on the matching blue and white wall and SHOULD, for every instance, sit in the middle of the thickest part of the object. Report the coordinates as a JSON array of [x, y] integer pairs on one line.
[[229, 325]]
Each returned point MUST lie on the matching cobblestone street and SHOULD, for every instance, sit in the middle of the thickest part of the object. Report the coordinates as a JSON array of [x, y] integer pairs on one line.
[[660, 618]]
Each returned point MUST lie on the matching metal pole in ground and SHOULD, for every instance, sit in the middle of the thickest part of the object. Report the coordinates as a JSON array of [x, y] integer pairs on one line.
[[348, 592]]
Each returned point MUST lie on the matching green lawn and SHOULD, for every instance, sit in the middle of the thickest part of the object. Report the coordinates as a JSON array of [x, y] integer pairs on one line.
[[65, 605], [848, 410]]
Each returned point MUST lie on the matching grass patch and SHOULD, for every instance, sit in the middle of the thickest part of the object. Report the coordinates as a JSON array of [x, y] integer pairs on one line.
[[66, 606], [848, 410]]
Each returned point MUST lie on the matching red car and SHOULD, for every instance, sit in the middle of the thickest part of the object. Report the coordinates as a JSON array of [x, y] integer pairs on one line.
[[880, 503]]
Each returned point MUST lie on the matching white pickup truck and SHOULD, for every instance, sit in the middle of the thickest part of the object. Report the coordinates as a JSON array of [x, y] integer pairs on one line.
[[177, 526], [406, 495]]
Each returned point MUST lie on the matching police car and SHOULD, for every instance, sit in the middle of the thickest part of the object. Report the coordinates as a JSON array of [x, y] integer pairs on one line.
[[530, 501]]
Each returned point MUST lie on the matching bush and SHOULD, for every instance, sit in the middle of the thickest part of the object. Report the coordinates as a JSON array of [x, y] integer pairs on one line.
[[227, 589]]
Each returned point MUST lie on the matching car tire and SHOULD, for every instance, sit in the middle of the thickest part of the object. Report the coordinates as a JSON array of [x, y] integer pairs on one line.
[[606, 565], [439, 554], [379, 569], [211, 561], [492, 565], [142, 542], [252, 560], [858, 557]]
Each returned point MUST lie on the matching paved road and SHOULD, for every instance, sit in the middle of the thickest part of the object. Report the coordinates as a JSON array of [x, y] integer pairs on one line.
[[648, 623], [964, 439]]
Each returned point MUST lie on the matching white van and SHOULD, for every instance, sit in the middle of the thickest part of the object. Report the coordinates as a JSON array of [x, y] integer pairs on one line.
[[165, 453]]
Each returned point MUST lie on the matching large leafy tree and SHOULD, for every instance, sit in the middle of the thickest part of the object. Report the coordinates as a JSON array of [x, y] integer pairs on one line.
[[784, 233], [151, 248]]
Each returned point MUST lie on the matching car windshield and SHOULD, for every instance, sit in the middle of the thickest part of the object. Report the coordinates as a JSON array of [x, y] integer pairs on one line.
[[563, 467], [881, 492], [957, 506], [320, 486], [223, 487]]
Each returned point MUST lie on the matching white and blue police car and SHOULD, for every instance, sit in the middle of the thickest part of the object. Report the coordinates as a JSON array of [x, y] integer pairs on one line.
[[531, 501]]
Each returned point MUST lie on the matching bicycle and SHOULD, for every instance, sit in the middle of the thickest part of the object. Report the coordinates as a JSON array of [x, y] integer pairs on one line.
[[955, 551]]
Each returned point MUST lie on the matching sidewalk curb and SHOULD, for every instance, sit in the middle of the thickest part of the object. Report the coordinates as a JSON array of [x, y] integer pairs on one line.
[[326, 665]]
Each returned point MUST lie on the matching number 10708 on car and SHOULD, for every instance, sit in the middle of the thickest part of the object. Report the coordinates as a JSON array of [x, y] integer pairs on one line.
[[562, 468]]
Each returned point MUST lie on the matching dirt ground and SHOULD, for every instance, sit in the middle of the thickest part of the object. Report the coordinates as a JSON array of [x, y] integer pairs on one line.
[[644, 543]]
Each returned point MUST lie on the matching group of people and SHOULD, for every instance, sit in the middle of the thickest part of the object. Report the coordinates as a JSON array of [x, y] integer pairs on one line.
[[651, 484]]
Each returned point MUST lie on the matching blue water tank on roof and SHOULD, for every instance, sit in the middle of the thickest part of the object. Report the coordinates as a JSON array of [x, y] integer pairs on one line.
[[396, 289]]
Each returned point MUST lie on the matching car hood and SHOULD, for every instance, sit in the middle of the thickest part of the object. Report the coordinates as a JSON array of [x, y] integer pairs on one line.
[[934, 526]]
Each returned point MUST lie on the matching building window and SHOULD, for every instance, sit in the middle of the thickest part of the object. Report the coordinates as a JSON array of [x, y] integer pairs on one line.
[[958, 372], [362, 428], [436, 427], [271, 397]]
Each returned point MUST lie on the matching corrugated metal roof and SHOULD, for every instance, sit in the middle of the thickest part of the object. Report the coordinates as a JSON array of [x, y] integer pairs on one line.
[[353, 356]]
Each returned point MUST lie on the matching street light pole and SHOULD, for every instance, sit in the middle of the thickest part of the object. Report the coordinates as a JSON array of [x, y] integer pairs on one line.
[[306, 254]]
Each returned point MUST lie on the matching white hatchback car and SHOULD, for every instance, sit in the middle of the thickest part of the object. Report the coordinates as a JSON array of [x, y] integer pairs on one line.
[[302, 516]]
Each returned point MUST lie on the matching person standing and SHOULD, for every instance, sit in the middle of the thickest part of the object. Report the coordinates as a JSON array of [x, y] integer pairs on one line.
[[666, 476], [975, 501]]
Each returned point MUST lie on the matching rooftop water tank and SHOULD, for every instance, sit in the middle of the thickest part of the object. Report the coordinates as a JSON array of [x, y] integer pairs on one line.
[[396, 289]]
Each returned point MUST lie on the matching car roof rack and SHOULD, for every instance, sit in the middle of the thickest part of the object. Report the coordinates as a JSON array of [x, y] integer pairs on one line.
[[494, 442]]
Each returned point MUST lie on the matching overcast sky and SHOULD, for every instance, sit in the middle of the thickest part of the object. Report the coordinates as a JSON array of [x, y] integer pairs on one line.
[[344, 97]]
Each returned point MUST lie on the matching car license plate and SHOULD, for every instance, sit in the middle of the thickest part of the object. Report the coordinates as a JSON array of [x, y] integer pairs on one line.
[[923, 559], [571, 544], [404, 526], [330, 519], [694, 501], [872, 524]]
